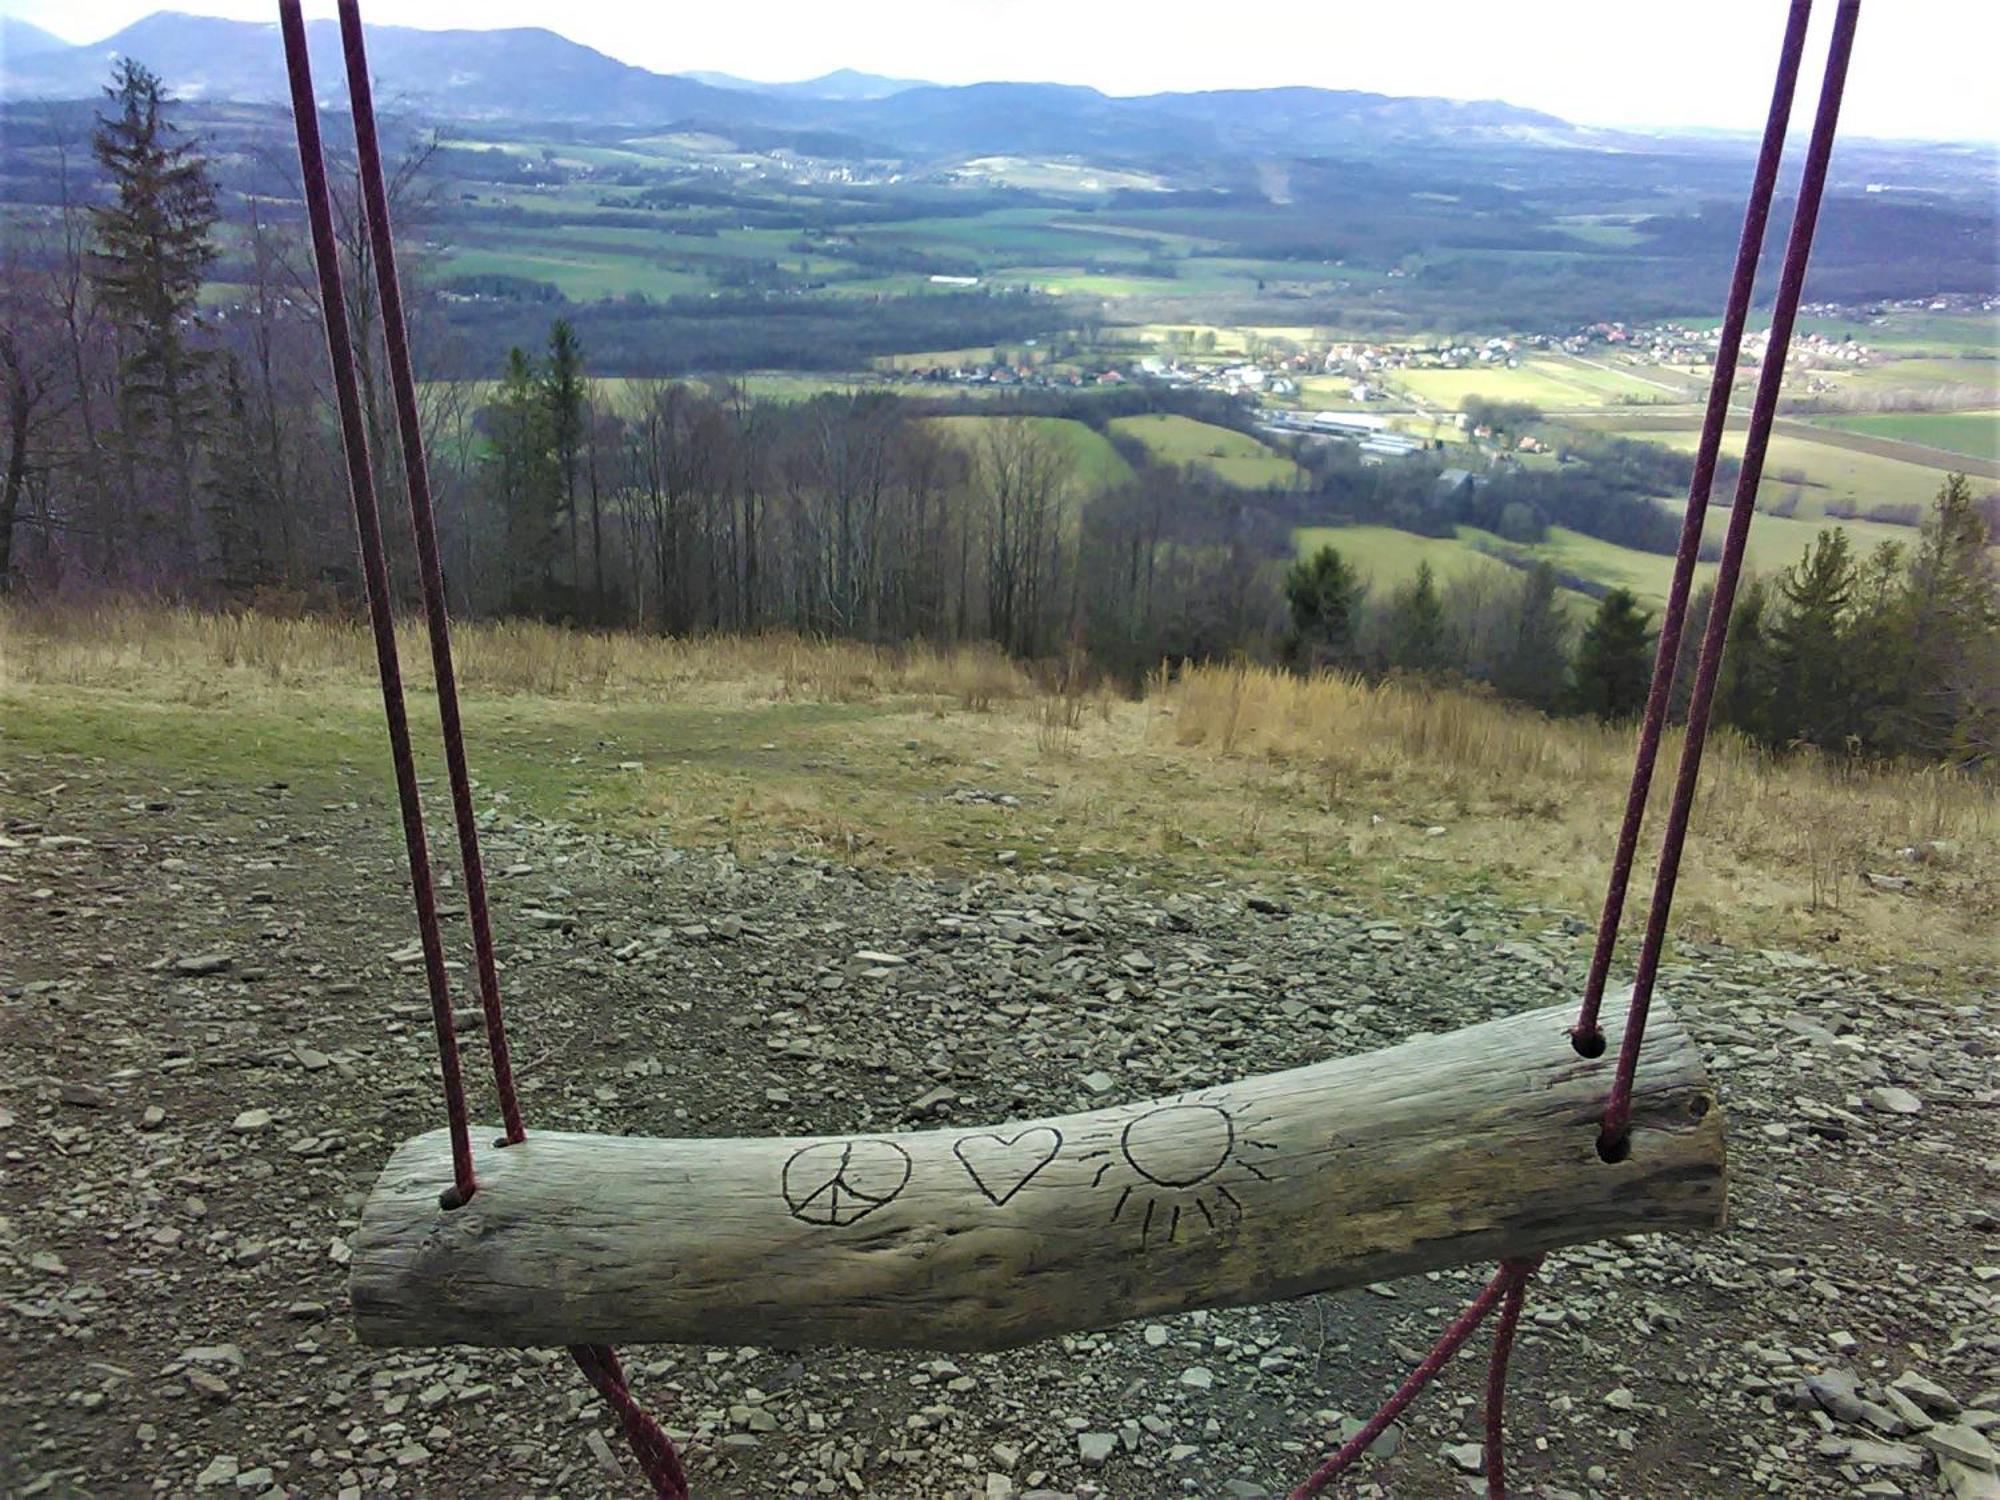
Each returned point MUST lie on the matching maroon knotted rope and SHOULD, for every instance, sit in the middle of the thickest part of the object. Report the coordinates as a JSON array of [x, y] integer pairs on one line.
[[1613, 1140], [375, 573], [1509, 1283], [1589, 1039], [652, 1447], [423, 527]]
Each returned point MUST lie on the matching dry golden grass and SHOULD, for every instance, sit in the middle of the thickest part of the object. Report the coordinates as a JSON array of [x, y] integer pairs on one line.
[[141, 647], [1219, 770], [1784, 841]]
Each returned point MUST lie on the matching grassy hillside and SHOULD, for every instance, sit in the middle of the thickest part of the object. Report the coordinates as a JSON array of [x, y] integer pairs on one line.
[[1389, 557], [845, 749], [1819, 471], [1232, 456], [1098, 465]]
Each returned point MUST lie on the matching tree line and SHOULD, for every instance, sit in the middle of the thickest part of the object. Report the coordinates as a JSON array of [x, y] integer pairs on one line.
[[1892, 654]]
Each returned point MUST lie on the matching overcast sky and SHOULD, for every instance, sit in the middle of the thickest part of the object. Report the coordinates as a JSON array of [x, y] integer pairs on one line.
[[1923, 68]]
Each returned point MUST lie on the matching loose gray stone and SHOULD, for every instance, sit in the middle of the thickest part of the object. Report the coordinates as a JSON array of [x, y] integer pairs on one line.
[[1095, 1447], [1894, 1101]]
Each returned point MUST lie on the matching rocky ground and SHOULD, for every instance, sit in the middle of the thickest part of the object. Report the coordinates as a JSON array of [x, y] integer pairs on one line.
[[213, 1033]]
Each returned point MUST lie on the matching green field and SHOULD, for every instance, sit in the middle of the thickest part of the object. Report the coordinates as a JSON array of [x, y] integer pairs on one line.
[[1819, 472], [1903, 331], [1387, 557], [581, 275], [1974, 433], [1943, 381], [1231, 456], [1098, 465], [1550, 382]]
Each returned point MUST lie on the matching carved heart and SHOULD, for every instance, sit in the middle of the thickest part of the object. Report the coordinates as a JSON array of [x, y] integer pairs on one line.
[[1001, 1165]]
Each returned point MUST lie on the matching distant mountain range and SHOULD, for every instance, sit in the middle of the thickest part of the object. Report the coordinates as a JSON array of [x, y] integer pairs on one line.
[[841, 83], [19, 39], [530, 74]]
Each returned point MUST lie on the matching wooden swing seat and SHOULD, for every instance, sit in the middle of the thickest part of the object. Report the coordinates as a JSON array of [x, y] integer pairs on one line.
[[1475, 1145]]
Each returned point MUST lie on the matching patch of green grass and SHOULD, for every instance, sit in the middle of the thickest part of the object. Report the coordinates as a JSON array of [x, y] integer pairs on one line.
[[1546, 383], [580, 275], [1962, 380], [1819, 472], [1976, 433], [1097, 465], [1387, 557], [1233, 457]]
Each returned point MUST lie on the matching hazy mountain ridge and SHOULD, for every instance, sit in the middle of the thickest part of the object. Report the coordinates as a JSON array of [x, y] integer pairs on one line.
[[841, 83], [535, 74], [20, 39]]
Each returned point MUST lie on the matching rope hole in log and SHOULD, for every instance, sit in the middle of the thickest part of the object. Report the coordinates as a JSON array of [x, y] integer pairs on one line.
[[1590, 1046], [1614, 1148]]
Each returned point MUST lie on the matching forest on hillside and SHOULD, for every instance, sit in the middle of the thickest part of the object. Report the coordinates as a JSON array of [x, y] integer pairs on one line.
[[157, 446]]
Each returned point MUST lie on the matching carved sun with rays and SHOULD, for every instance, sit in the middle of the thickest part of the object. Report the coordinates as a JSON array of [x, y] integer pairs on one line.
[[1185, 1157]]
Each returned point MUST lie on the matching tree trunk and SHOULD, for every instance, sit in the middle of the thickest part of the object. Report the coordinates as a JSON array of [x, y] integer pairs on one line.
[[19, 410], [1449, 1149]]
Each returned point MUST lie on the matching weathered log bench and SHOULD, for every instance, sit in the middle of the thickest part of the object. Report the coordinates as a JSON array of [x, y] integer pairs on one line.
[[1469, 1146]]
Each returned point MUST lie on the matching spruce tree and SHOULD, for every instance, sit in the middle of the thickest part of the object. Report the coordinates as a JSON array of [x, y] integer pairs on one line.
[[1534, 652], [1743, 693], [152, 249], [1322, 592], [1811, 683], [1417, 637], [1614, 660], [566, 397], [525, 483], [1954, 601]]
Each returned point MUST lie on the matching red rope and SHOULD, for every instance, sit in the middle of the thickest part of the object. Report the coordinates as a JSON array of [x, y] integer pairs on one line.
[[1587, 1035], [1510, 1282], [652, 1447], [375, 571], [1496, 1378], [1791, 283], [423, 526]]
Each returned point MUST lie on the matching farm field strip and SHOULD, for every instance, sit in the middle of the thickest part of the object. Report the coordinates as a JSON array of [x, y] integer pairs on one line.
[[1232, 456], [1957, 435], [1834, 465]]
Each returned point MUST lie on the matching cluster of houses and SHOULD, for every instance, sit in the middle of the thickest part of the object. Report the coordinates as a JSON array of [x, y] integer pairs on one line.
[[1365, 361], [1674, 344]]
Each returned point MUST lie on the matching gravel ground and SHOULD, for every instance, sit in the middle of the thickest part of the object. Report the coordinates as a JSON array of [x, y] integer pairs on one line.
[[213, 1033]]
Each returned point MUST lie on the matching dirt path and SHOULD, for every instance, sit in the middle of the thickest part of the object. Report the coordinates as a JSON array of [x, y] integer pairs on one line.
[[212, 1032]]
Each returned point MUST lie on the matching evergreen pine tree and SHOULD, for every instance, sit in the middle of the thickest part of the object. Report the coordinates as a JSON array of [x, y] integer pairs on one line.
[[238, 493], [1322, 591], [152, 249], [1535, 651], [1614, 660], [1743, 692], [1417, 637], [565, 394], [1954, 604], [1687, 660], [1811, 685], [525, 483], [1878, 649]]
